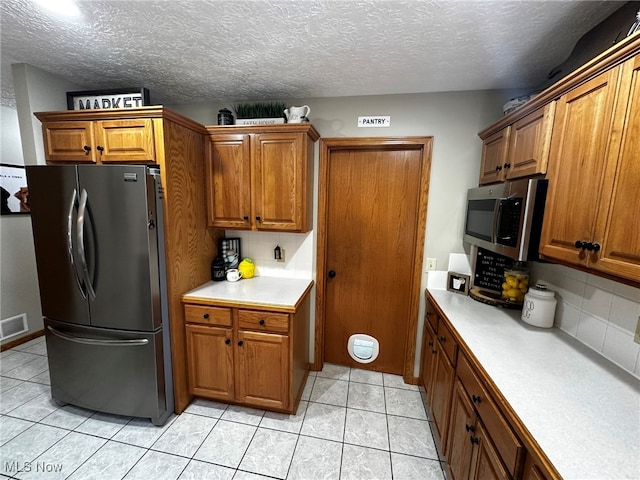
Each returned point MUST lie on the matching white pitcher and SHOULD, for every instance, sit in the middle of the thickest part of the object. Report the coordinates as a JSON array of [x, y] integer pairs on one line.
[[296, 114]]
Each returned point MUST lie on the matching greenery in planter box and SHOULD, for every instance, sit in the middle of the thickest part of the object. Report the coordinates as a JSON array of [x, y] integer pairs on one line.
[[260, 110]]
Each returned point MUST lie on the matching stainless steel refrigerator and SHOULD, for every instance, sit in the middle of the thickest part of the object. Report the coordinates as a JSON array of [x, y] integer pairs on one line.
[[98, 234]]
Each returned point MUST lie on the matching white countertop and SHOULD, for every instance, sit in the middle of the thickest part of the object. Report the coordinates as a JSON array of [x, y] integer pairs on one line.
[[583, 410], [267, 291]]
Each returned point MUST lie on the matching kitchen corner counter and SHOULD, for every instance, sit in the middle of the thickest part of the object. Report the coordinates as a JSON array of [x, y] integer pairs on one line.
[[282, 294], [582, 410]]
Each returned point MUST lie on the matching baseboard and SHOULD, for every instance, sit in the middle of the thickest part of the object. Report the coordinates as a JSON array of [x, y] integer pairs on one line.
[[21, 340]]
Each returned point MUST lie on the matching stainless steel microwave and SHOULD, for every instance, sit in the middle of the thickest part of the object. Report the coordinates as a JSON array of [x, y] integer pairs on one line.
[[506, 218]]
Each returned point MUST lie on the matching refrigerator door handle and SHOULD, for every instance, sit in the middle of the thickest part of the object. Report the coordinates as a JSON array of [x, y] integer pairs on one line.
[[82, 210], [96, 341], [74, 268]]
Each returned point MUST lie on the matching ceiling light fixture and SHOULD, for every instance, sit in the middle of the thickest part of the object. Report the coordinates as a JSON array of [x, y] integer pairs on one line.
[[67, 8]]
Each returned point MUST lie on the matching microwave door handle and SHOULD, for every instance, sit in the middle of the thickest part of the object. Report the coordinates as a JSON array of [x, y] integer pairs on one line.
[[82, 211], [497, 220], [72, 262]]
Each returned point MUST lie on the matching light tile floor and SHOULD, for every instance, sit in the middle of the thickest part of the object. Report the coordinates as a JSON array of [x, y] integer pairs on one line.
[[351, 424]]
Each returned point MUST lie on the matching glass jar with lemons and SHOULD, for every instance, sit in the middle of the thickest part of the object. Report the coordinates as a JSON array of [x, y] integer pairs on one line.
[[515, 285]]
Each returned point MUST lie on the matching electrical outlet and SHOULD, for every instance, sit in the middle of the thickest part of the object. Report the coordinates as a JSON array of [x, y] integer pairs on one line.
[[637, 337], [431, 264]]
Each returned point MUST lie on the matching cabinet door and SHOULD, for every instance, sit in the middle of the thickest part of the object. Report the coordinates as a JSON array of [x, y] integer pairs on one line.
[[124, 141], [530, 142], [494, 156], [262, 369], [581, 133], [279, 178], [486, 464], [69, 142], [443, 377], [618, 228], [210, 361], [462, 429], [428, 360], [229, 181]]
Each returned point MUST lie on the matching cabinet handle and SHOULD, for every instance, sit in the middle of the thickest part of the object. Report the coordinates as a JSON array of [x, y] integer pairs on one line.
[[474, 440], [86, 148], [499, 167], [507, 165], [258, 218], [430, 344], [100, 148], [227, 341], [428, 314], [205, 316], [443, 339], [434, 351], [240, 343], [469, 428], [261, 322], [476, 398]]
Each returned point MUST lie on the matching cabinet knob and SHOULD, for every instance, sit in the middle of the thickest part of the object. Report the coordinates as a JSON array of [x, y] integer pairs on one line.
[[100, 148], [443, 339], [430, 344], [434, 351], [261, 322], [240, 343], [474, 440], [246, 218], [227, 341], [476, 399], [205, 316], [469, 428], [331, 273], [258, 218], [580, 244], [499, 167], [592, 247], [86, 148], [507, 165]]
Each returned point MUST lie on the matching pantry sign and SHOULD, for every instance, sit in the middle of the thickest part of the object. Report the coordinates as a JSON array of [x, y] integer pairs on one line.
[[374, 121], [108, 99]]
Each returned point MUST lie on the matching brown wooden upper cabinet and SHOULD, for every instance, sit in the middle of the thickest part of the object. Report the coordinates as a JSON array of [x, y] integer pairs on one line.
[[517, 150], [261, 178], [594, 179], [99, 141]]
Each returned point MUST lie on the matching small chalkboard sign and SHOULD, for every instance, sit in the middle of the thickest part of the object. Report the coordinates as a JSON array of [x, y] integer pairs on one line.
[[489, 269]]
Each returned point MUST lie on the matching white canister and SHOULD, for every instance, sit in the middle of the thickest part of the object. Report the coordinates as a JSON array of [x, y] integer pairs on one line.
[[539, 307]]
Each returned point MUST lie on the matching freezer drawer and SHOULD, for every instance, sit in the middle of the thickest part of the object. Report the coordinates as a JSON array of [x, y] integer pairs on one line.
[[110, 371]]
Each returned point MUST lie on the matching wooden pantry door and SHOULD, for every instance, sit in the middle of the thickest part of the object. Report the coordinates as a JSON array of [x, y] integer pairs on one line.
[[371, 228]]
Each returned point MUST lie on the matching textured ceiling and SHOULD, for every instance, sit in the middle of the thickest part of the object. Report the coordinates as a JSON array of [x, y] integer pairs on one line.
[[188, 51]]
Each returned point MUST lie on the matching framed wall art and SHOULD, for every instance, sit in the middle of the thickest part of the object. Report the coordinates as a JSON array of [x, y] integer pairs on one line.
[[458, 283], [15, 192], [108, 99]]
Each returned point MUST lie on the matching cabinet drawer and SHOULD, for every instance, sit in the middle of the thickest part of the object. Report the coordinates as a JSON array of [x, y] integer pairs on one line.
[[207, 315], [447, 342], [506, 442], [263, 321]]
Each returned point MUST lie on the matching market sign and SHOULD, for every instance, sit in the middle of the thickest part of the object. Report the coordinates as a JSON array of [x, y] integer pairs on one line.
[[108, 99], [374, 121]]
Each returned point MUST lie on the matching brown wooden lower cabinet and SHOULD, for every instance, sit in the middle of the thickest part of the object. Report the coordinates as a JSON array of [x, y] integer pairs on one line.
[[475, 434], [250, 356]]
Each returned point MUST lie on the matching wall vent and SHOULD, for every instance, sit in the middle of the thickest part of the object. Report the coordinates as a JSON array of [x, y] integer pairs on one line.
[[10, 327]]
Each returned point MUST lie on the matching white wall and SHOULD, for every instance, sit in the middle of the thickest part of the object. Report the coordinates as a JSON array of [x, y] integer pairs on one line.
[[36, 91], [453, 119], [18, 279]]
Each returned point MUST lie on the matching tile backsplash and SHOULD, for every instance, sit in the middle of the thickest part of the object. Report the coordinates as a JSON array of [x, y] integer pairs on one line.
[[297, 249], [599, 312]]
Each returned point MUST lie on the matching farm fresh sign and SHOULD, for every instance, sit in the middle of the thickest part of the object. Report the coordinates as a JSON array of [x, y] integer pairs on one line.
[[107, 99]]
